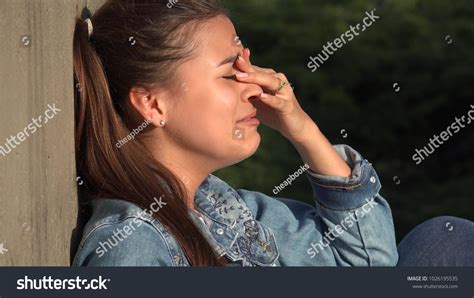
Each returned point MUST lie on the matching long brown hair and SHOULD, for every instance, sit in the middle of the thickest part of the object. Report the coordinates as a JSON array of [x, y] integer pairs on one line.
[[134, 44]]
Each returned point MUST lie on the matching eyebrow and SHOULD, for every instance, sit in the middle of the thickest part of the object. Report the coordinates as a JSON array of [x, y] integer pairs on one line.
[[230, 59]]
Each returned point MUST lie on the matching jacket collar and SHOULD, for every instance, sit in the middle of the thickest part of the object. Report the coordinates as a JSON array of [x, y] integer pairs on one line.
[[231, 223]]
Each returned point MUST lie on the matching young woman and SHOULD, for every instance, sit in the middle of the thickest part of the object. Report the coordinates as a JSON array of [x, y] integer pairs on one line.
[[166, 95]]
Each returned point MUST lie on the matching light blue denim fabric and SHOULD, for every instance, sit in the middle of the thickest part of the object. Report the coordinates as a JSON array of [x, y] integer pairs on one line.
[[254, 229]]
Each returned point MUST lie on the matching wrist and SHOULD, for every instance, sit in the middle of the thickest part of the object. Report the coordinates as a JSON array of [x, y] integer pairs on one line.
[[308, 134]]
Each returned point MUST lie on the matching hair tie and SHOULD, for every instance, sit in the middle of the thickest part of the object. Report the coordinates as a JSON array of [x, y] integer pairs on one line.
[[90, 29], [86, 16]]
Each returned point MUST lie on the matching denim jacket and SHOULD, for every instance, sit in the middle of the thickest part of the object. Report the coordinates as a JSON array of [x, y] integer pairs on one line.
[[350, 225]]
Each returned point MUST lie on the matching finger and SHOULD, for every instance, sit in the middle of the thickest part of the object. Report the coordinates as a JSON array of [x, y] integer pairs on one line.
[[272, 101], [246, 59], [265, 80], [266, 70], [243, 65], [246, 54]]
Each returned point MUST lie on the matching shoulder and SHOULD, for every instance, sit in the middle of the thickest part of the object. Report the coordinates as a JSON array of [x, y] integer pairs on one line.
[[120, 233]]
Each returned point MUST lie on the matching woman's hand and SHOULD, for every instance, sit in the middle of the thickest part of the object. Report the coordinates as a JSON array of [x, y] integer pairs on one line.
[[279, 110]]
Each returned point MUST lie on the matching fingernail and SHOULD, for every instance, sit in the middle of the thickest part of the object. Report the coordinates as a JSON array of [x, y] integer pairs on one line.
[[242, 75], [263, 95]]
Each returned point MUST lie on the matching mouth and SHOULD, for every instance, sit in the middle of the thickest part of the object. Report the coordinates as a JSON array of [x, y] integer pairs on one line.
[[250, 119]]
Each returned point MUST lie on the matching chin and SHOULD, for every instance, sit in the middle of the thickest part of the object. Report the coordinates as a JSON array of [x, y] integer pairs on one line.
[[249, 146], [243, 148]]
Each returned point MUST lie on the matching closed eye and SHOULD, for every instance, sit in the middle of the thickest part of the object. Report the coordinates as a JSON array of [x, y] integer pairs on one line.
[[231, 77]]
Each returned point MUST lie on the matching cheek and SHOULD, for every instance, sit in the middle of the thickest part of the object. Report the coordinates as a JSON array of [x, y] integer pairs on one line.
[[220, 100], [220, 106], [207, 124], [211, 111]]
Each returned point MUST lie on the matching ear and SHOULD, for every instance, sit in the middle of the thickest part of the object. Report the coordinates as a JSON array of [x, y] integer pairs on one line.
[[151, 105]]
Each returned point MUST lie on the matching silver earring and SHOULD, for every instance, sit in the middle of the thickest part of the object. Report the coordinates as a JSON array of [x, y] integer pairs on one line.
[[162, 123]]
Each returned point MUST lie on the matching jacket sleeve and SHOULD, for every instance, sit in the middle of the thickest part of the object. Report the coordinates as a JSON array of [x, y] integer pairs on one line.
[[130, 242], [350, 225]]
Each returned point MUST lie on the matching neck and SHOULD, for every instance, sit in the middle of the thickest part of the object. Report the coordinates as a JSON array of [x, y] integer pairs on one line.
[[188, 167]]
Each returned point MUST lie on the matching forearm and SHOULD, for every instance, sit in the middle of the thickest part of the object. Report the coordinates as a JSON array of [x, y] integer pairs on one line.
[[317, 152]]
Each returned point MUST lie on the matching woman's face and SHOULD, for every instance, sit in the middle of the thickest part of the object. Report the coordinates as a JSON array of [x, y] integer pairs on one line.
[[208, 104]]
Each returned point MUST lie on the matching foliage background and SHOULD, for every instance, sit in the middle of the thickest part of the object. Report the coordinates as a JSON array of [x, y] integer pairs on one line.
[[353, 90]]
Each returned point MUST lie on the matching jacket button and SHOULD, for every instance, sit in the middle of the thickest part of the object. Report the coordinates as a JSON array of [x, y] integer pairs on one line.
[[372, 179], [220, 231]]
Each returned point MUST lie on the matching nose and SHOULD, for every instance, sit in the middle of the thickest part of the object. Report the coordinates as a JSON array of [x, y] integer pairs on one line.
[[251, 90]]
